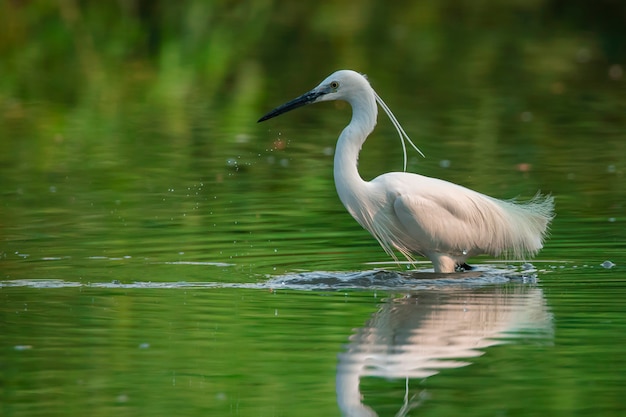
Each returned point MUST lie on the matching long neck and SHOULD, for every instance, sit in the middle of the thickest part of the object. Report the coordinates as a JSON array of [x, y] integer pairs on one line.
[[347, 178]]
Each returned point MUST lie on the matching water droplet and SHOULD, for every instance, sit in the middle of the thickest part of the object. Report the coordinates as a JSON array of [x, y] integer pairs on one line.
[[607, 264], [122, 398], [22, 347]]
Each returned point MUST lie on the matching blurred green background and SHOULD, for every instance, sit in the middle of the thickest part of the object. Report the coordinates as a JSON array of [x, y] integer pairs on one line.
[[105, 104]]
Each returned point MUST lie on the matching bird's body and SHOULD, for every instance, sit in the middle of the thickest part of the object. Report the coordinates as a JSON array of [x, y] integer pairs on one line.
[[415, 214]]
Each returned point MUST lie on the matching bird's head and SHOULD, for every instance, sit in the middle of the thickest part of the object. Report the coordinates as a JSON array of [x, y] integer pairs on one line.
[[340, 85]]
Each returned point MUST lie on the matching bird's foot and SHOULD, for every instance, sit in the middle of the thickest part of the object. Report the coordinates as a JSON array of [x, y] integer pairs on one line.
[[463, 267]]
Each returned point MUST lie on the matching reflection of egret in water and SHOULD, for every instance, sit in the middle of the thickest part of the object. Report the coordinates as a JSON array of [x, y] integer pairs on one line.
[[417, 335]]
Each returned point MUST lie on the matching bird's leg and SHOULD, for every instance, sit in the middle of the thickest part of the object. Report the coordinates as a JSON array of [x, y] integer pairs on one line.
[[463, 267], [443, 262], [446, 263]]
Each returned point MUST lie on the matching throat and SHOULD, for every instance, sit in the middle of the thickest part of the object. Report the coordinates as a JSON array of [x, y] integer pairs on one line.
[[350, 186], [348, 181]]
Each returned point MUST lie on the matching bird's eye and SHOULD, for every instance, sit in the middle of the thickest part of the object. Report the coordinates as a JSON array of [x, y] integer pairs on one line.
[[334, 85]]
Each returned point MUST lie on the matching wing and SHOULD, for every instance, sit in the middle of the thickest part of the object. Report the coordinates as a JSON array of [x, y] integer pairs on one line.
[[455, 223], [444, 217]]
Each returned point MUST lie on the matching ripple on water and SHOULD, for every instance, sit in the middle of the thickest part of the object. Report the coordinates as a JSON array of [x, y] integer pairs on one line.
[[321, 280], [393, 280]]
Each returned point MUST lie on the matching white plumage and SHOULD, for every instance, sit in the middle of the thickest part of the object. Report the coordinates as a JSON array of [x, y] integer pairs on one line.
[[414, 214]]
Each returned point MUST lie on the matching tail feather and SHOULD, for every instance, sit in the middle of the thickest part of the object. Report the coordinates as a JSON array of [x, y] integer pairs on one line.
[[528, 223]]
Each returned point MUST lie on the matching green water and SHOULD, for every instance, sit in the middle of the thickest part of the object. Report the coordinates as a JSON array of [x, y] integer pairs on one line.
[[161, 253]]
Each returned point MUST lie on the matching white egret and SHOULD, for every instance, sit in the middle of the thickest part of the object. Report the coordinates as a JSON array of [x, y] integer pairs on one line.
[[414, 214]]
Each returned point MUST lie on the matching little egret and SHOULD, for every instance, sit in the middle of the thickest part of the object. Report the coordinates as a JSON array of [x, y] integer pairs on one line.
[[414, 214]]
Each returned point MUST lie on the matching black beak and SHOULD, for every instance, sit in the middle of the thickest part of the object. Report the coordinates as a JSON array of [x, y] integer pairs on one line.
[[303, 100]]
